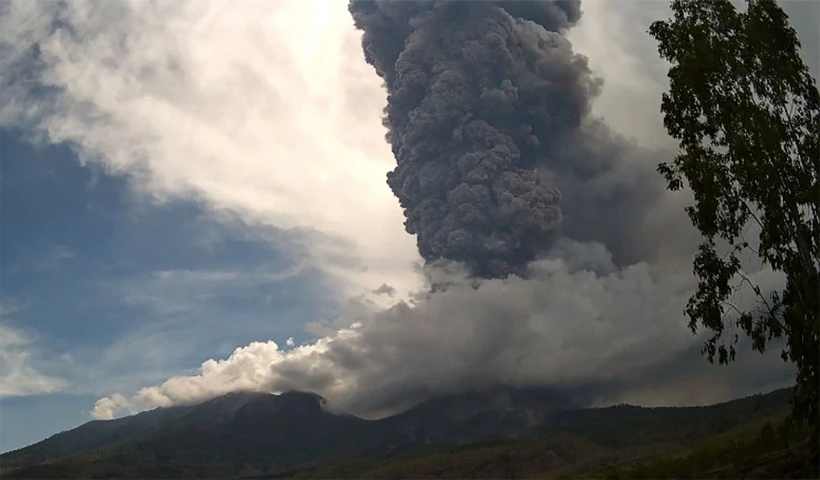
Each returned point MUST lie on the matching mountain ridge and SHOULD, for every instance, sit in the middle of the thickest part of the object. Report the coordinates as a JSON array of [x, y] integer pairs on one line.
[[266, 433]]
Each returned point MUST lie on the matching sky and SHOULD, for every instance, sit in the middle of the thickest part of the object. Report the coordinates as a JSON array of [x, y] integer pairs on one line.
[[193, 201]]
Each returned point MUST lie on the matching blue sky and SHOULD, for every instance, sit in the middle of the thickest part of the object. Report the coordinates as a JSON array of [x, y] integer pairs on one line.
[[119, 291], [181, 179], [204, 208]]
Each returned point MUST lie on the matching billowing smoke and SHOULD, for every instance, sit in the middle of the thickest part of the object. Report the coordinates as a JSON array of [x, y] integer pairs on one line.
[[600, 337], [486, 115]]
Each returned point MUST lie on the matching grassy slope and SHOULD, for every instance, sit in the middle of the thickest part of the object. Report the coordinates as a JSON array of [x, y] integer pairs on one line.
[[620, 442], [771, 448], [538, 458], [745, 452]]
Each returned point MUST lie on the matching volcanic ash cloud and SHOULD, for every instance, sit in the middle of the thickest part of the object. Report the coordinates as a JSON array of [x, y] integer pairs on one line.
[[539, 212], [487, 116]]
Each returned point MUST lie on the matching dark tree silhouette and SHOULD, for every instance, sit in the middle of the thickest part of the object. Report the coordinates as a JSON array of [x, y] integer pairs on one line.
[[746, 113]]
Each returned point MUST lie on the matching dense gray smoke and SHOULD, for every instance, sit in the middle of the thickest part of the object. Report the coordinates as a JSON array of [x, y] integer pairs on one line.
[[486, 112], [488, 115]]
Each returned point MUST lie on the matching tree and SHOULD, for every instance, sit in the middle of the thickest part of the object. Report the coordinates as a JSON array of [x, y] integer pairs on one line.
[[746, 113]]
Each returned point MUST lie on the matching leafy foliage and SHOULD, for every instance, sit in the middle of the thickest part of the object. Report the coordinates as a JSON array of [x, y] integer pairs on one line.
[[746, 113]]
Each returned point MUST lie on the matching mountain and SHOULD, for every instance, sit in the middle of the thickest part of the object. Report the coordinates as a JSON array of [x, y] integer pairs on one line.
[[257, 434], [226, 432], [467, 417]]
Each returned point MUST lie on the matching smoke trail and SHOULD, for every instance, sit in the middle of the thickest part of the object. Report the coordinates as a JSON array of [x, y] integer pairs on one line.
[[480, 95]]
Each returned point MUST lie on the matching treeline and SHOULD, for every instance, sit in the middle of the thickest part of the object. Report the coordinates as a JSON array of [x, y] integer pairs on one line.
[[779, 450]]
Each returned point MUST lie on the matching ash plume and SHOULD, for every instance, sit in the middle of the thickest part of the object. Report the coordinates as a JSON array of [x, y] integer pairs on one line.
[[486, 113], [599, 309]]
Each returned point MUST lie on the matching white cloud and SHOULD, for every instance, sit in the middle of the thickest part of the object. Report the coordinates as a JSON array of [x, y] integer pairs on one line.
[[185, 314], [267, 112], [248, 368], [564, 328], [19, 373]]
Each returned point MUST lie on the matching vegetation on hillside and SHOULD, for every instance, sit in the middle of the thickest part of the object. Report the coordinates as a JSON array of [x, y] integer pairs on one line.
[[606, 442], [201, 442], [777, 450]]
